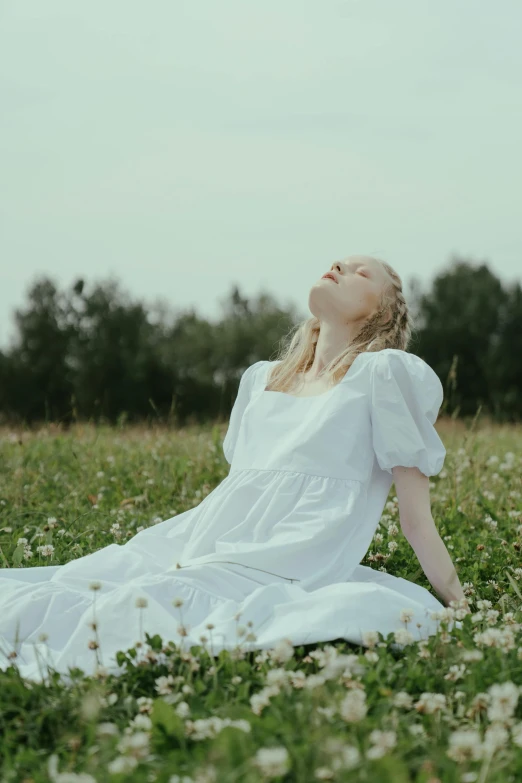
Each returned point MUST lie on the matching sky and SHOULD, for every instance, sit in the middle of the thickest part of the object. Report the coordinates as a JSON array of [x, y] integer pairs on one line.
[[186, 147]]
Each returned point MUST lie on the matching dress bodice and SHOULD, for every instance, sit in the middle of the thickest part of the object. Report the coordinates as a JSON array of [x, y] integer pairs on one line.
[[382, 411], [310, 476]]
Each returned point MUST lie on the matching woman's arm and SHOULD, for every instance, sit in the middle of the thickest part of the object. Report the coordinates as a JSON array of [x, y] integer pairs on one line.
[[419, 528]]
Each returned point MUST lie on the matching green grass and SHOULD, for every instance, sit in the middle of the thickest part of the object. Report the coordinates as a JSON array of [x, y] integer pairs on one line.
[[287, 714]]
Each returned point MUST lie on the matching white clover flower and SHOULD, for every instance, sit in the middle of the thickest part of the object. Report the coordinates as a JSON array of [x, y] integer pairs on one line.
[[502, 638], [141, 721], [314, 681], [136, 744], [272, 762], [277, 676], [46, 550], [383, 741], [122, 764], [183, 709], [456, 672], [429, 703], [465, 745], [350, 756], [417, 730], [403, 636], [503, 701], [370, 638], [107, 729], [495, 737], [164, 684], [516, 734], [353, 707], [402, 699], [472, 655], [283, 651], [260, 700], [297, 679]]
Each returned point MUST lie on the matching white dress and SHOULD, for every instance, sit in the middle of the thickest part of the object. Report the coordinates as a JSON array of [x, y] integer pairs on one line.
[[279, 540]]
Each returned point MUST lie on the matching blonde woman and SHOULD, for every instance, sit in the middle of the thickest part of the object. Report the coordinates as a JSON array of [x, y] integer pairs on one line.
[[315, 440]]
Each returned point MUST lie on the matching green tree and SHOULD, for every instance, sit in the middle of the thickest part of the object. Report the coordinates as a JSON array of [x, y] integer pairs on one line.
[[459, 322]]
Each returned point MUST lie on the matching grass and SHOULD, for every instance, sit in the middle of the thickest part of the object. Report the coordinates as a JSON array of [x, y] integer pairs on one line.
[[445, 711]]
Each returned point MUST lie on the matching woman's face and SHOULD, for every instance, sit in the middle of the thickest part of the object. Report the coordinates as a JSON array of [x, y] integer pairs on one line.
[[354, 294]]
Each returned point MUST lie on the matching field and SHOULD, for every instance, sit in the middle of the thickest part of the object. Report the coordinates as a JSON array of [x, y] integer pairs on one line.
[[445, 711]]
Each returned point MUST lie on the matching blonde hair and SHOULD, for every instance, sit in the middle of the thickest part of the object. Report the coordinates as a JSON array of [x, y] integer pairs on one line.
[[377, 333]]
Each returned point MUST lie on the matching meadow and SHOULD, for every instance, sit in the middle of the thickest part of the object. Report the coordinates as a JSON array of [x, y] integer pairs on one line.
[[448, 710]]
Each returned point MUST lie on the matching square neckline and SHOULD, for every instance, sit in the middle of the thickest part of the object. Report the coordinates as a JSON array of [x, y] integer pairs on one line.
[[307, 396]]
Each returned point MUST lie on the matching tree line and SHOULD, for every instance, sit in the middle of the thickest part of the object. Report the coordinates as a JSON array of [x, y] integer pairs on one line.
[[91, 352]]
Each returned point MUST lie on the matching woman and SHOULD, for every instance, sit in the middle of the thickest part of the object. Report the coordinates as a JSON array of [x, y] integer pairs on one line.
[[314, 442]]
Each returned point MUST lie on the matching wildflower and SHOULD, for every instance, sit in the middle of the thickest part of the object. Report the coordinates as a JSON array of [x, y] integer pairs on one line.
[[164, 684], [402, 699], [417, 730], [502, 638], [353, 707], [472, 655], [260, 700], [283, 651], [141, 722], [402, 636], [465, 745], [122, 764], [136, 744], [456, 672], [272, 762], [383, 741], [47, 550], [350, 756], [516, 734], [503, 701], [277, 677], [145, 703], [430, 703], [495, 737], [370, 638], [107, 729]]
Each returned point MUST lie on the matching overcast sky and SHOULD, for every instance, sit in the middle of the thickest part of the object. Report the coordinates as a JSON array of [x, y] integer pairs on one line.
[[183, 146]]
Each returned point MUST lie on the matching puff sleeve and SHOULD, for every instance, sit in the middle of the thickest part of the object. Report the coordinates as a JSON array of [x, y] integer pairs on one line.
[[242, 398], [406, 395]]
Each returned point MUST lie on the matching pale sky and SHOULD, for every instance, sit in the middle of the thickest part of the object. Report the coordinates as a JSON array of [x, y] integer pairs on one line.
[[183, 146]]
